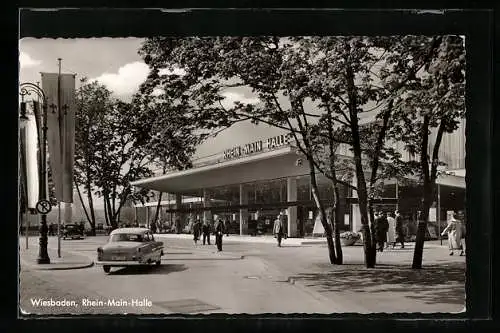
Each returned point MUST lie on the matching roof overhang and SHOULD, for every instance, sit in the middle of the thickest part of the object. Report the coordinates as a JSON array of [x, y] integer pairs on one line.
[[279, 163], [451, 180]]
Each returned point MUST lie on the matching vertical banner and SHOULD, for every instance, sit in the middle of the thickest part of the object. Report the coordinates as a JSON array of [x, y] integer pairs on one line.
[[68, 133], [31, 160], [23, 200], [60, 89], [49, 86]]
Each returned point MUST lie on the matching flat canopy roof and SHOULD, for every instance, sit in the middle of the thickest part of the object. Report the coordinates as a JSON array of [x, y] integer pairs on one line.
[[269, 165], [274, 164]]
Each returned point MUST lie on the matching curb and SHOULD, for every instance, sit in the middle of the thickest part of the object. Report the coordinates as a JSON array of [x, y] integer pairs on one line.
[[56, 268]]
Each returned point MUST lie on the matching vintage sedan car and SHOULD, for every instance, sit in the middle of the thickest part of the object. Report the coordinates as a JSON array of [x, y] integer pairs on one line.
[[73, 231], [129, 247]]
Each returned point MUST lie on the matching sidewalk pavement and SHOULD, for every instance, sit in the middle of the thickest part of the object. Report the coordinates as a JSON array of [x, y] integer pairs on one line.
[[268, 239], [201, 253], [69, 260]]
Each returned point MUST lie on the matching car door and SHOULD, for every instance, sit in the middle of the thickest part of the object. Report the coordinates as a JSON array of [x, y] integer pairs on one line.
[[146, 247], [156, 247]]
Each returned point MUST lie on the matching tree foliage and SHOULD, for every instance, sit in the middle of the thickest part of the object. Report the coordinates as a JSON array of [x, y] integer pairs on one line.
[[433, 106], [318, 88], [106, 155]]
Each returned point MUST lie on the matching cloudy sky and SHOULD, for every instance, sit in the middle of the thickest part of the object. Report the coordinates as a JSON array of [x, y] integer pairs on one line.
[[116, 63]]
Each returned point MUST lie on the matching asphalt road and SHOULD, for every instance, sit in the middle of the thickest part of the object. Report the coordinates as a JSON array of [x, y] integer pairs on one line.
[[196, 279], [190, 280]]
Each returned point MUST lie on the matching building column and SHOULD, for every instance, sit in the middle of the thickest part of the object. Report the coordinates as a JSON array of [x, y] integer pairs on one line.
[[178, 205], [243, 211], [291, 212], [136, 222], [207, 214], [356, 215]]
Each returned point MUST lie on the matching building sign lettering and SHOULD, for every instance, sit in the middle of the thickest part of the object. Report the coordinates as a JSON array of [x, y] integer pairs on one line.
[[258, 146]]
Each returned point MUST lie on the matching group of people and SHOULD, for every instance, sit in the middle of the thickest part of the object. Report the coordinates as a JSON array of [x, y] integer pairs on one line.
[[388, 230], [205, 229]]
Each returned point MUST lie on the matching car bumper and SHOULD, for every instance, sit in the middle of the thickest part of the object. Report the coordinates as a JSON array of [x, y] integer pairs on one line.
[[121, 263]]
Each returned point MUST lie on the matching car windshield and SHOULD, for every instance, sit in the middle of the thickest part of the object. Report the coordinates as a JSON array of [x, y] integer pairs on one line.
[[126, 238]]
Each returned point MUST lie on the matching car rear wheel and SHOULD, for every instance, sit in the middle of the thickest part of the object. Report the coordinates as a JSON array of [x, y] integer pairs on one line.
[[106, 269], [158, 262]]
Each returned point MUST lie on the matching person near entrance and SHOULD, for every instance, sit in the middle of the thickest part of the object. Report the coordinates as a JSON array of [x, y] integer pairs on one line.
[[219, 232], [206, 232], [399, 229], [196, 231], [391, 232], [454, 231], [380, 229], [278, 228], [227, 225]]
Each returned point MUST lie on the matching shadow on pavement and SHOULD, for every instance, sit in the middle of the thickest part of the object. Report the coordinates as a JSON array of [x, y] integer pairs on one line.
[[135, 270], [434, 284]]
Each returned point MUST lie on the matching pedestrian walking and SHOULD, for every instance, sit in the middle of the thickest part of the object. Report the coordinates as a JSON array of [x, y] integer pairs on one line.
[[206, 232], [219, 232], [178, 225], [196, 231], [391, 232], [278, 228], [454, 231], [380, 229], [227, 226], [400, 234]]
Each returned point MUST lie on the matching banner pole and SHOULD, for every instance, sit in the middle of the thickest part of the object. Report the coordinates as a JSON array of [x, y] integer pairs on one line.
[[26, 221], [61, 142], [59, 229]]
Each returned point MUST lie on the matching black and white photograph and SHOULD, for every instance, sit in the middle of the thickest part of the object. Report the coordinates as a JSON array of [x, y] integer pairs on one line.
[[242, 174]]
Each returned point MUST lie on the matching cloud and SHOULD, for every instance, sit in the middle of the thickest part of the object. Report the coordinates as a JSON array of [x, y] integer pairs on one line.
[[231, 96], [27, 61], [127, 80]]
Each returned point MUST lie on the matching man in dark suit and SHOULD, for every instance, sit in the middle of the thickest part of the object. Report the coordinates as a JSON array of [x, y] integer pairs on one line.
[[400, 235], [219, 231], [206, 232]]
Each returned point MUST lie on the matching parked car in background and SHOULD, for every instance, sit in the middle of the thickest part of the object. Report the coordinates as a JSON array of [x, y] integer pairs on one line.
[[129, 247], [73, 231]]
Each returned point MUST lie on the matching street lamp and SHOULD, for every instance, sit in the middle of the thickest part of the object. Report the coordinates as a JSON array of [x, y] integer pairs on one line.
[[26, 90]]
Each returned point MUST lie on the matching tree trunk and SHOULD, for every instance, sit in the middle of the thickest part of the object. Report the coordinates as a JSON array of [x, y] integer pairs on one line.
[[90, 199], [158, 206], [106, 218], [422, 219], [92, 224], [369, 247], [109, 212], [337, 218], [429, 186], [322, 214], [422, 227]]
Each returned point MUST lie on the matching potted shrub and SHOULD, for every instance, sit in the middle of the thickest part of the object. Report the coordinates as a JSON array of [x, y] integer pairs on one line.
[[348, 238]]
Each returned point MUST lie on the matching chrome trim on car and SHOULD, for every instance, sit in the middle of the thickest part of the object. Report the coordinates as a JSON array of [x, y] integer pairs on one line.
[[120, 263]]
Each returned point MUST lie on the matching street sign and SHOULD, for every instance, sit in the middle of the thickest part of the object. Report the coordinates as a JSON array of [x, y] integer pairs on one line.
[[43, 206]]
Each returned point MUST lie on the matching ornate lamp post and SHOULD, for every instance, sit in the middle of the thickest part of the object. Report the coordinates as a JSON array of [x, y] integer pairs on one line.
[[26, 90]]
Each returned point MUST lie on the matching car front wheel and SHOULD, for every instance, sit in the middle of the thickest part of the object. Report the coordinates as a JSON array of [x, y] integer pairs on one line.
[[106, 269]]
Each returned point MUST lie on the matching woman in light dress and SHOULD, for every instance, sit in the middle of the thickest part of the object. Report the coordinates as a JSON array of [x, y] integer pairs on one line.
[[391, 232], [454, 231]]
